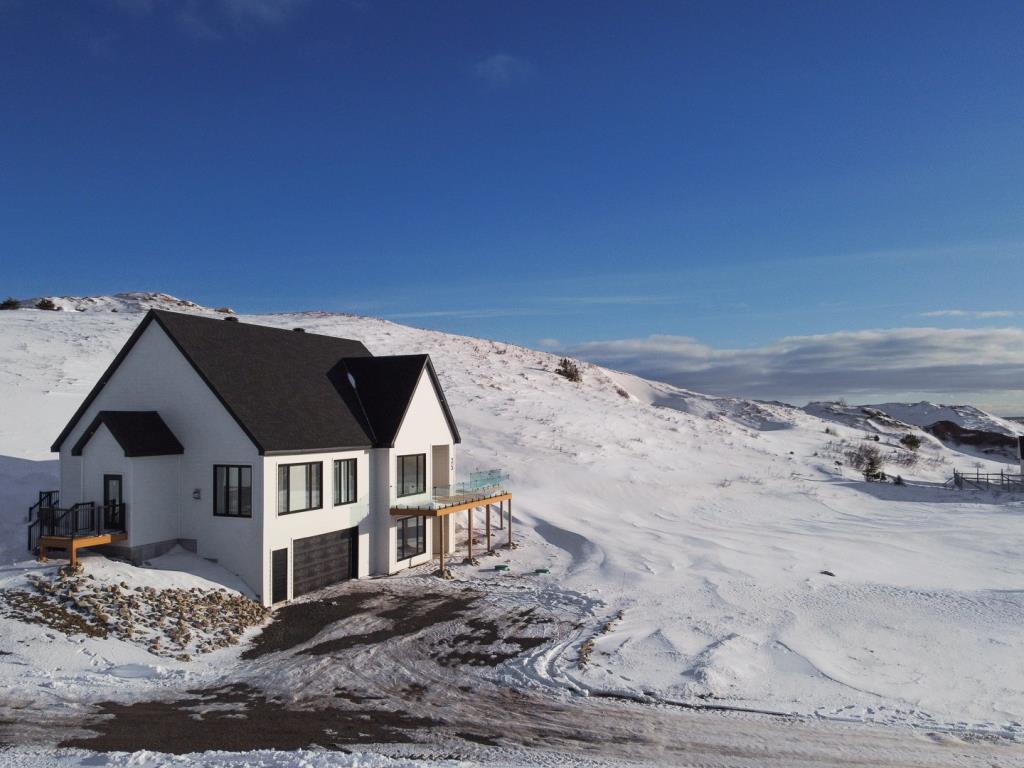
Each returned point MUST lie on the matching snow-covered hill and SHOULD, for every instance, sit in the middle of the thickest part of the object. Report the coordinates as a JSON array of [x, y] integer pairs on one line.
[[709, 523], [133, 301], [924, 414]]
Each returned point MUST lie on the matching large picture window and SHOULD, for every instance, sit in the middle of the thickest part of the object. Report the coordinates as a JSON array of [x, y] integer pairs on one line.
[[412, 474], [344, 481], [299, 487], [412, 537], [232, 490]]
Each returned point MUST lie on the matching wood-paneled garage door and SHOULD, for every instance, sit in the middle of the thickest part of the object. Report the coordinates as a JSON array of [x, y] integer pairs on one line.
[[319, 561]]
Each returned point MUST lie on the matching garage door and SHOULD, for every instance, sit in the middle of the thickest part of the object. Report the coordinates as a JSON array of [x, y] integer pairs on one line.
[[322, 560]]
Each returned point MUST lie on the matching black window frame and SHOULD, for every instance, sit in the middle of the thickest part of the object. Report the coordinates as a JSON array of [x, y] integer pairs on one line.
[[217, 511], [421, 474], [353, 486], [309, 486], [402, 537]]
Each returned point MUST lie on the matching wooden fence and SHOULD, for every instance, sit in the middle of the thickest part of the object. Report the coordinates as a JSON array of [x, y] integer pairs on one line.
[[986, 481]]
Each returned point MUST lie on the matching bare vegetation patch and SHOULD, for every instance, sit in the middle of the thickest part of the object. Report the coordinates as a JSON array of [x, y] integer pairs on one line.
[[569, 369], [36, 609], [177, 623]]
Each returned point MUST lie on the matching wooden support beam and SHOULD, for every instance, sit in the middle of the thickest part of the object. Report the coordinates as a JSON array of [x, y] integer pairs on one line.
[[489, 548], [73, 544], [509, 523], [438, 522], [469, 536]]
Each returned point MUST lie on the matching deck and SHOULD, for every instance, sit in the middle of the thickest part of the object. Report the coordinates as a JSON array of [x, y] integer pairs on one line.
[[484, 490], [82, 525], [74, 543]]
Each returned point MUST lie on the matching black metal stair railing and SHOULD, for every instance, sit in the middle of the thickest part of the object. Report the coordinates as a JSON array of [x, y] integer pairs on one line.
[[113, 517], [47, 500], [87, 518]]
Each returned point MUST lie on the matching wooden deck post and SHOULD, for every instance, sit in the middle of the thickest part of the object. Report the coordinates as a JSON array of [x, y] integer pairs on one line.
[[509, 523], [469, 536], [440, 525], [489, 548]]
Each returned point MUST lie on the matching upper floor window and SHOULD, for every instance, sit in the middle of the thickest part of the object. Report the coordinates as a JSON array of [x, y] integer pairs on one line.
[[412, 474], [299, 487], [344, 481], [232, 490]]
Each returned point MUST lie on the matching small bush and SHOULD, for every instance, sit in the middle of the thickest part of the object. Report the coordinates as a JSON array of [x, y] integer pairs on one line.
[[569, 369], [622, 393], [875, 438], [225, 310], [10, 303], [910, 441], [868, 460], [46, 304], [898, 480]]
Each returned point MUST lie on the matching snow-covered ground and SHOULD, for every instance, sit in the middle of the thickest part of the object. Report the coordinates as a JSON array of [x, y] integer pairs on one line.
[[698, 531]]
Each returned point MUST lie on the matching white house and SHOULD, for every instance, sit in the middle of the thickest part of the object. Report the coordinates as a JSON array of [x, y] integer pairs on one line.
[[294, 460]]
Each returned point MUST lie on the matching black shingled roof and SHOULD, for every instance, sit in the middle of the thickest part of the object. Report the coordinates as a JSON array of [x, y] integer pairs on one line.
[[139, 433], [385, 386], [290, 391]]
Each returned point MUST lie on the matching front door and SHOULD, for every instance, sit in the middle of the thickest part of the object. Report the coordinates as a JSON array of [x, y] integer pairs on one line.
[[278, 575], [112, 490], [113, 502]]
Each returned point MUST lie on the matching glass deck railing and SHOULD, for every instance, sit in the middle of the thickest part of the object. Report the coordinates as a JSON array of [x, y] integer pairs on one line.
[[480, 485]]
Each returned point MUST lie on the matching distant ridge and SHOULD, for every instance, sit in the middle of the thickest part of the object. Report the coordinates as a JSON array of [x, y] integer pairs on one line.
[[131, 301]]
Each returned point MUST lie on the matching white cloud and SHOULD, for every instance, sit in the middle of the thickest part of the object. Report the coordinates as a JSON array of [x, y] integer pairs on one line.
[[854, 364], [985, 314], [549, 343], [242, 12], [212, 19], [501, 69]]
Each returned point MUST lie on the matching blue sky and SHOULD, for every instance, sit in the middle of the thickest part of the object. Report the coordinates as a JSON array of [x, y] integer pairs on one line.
[[568, 175]]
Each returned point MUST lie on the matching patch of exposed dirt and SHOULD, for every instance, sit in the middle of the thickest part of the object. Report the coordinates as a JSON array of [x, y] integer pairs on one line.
[[412, 615], [240, 718], [485, 644], [298, 623]]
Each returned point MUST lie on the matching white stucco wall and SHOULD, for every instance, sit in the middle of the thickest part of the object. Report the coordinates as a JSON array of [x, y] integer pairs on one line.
[[281, 530], [424, 427], [102, 456], [149, 485], [156, 377]]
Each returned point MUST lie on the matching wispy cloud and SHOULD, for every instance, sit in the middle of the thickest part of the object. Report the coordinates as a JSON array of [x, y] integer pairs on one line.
[[845, 364], [266, 12], [625, 300], [502, 69], [983, 314], [467, 313], [214, 19]]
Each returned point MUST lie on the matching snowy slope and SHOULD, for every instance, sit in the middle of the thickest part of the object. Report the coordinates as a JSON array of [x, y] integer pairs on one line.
[[925, 414], [706, 521]]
